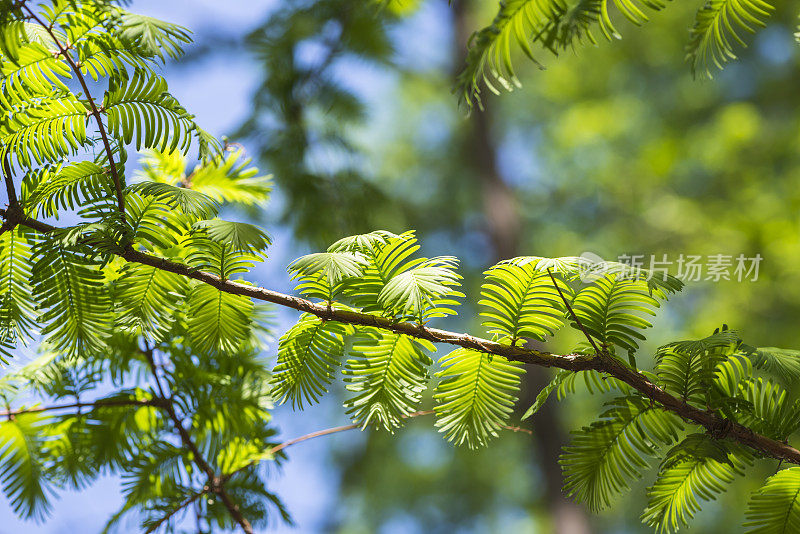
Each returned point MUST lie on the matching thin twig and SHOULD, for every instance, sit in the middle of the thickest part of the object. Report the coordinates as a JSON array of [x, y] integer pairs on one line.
[[572, 312], [345, 428]]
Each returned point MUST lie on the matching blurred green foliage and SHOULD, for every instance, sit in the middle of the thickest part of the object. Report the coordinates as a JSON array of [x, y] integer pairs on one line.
[[615, 149]]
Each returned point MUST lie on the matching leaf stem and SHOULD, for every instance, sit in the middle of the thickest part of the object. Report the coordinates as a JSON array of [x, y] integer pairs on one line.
[[572, 312]]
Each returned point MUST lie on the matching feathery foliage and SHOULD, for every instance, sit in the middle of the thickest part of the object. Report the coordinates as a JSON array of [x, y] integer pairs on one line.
[[604, 457], [699, 467], [150, 338], [387, 372], [775, 508], [475, 397], [559, 25]]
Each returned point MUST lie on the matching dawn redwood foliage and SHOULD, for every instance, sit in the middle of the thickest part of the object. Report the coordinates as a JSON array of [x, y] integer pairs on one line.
[[150, 336]]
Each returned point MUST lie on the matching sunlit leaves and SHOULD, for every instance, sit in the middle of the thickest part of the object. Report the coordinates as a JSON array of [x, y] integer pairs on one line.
[[21, 469], [189, 201], [36, 72], [43, 130], [475, 397], [688, 368], [424, 290], [231, 178], [147, 299], [774, 412], [69, 288], [519, 301], [152, 37], [611, 309], [239, 236], [308, 356], [698, 468], [775, 507], [604, 457], [141, 110], [218, 321], [782, 363], [65, 187], [17, 306], [321, 274], [552, 23], [387, 374], [718, 28]]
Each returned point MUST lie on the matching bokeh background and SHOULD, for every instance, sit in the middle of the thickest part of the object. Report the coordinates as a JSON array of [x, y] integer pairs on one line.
[[613, 150]]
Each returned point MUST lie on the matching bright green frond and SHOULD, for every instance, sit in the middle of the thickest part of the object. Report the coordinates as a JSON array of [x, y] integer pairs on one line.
[[152, 222], [21, 471], [476, 396], [218, 321], [332, 267], [519, 301], [385, 259], [308, 356], [152, 37], [424, 290], [593, 381], [231, 179], [73, 186], [775, 508], [544, 394], [17, 306], [774, 413], [387, 372], [216, 258], [687, 369], [69, 288], [42, 130], [147, 299], [604, 457], [189, 201], [364, 243], [781, 363], [698, 468], [553, 23], [717, 30], [37, 72], [163, 167], [140, 110], [611, 310], [239, 236], [720, 341]]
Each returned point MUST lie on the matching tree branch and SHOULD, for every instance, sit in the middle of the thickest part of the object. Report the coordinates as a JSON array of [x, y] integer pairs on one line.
[[713, 423], [64, 51]]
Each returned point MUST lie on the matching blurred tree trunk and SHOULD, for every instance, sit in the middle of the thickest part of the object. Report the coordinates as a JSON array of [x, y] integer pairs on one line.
[[503, 226]]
